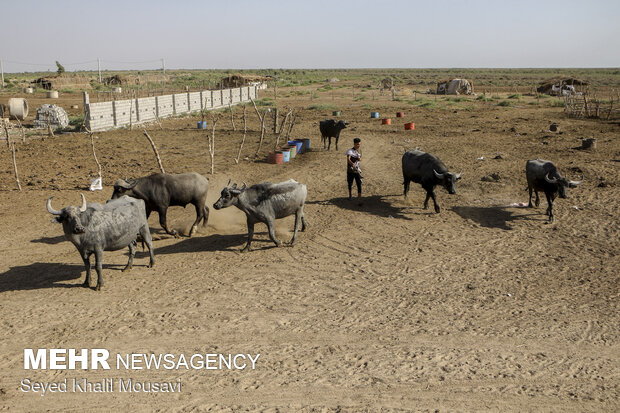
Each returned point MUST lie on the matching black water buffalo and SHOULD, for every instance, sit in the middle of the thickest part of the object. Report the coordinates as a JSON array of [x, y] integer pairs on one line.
[[267, 202], [94, 228], [428, 170], [160, 191], [331, 129], [544, 176]]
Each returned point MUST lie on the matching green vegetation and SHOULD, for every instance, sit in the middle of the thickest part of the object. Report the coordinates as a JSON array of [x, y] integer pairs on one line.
[[505, 103], [515, 96], [322, 107]]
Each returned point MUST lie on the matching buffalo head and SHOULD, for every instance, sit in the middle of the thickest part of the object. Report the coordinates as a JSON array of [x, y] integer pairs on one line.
[[69, 216], [123, 187], [228, 196], [562, 183], [448, 179]]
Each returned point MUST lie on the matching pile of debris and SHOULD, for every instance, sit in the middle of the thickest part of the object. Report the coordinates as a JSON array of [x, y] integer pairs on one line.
[[50, 114], [562, 86]]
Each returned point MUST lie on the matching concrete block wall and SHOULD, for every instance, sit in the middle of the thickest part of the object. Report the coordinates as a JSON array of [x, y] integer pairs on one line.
[[119, 113]]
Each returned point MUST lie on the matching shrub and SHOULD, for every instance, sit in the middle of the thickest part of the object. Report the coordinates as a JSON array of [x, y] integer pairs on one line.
[[321, 106], [504, 103], [515, 96]]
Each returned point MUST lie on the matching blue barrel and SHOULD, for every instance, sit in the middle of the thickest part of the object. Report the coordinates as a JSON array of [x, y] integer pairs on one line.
[[286, 155], [298, 144], [374, 115], [202, 124]]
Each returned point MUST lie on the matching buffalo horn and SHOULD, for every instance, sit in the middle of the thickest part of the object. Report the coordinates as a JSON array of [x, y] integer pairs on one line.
[[83, 207], [49, 207], [228, 182], [438, 175], [123, 183], [575, 183], [243, 187], [551, 181], [458, 176]]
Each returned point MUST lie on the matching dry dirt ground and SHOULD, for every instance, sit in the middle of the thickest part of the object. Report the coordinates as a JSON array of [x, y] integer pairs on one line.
[[383, 307]]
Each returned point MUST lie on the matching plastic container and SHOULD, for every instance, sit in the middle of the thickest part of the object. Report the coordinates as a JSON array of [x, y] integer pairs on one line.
[[299, 145], [202, 124], [286, 154], [386, 121], [293, 149], [409, 126], [306, 142], [336, 113], [400, 114], [374, 115]]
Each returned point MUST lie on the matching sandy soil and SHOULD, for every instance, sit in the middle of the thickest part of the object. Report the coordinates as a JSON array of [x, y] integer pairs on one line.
[[484, 307]]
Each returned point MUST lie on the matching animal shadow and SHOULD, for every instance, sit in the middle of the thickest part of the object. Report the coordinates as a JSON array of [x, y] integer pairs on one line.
[[41, 275], [491, 217], [215, 242], [50, 240], [375, 205]]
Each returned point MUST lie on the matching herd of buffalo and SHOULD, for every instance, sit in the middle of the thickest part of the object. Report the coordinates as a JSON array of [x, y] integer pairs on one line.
[[94, 228]]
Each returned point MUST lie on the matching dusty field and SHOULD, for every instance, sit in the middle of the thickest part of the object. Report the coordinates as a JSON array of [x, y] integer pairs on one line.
[[386, 306]]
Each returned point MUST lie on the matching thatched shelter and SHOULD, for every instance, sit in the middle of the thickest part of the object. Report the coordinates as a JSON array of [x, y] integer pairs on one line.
[[239, 80], [559, 85], [56, 82]]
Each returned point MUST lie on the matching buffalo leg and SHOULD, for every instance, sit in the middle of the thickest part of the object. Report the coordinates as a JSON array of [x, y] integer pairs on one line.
[[406, 184], [337, 142], [529, 204], [329, 144], [537, 202], [146, 238], [86, 259], [324, 139], [205, 216], [428, 196], [250, 236], [164, 225], [99, 268], [304, 224], [437, 209], [199, 217], [272, 232], [132, 253], [550, 207], [298, 214]]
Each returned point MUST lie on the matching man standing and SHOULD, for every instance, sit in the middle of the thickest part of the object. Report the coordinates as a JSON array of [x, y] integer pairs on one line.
[[354, 157]]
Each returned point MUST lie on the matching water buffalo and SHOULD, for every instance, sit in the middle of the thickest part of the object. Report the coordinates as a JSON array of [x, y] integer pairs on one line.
[[331, 129], [544, 176], [428, 170], [160, 191], [267, 202], [94, 228]]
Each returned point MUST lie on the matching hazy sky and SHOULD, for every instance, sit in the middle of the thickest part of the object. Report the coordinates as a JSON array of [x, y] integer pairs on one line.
[[308, 34]]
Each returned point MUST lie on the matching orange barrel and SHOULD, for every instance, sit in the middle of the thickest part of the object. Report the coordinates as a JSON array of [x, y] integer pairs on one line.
[[275, 157], [409, 126], [386, 121], [400, 114]]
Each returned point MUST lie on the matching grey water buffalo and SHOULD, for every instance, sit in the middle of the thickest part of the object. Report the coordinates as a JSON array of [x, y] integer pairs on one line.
[[426, 169], [267, 202], [94, 228], [544, 176], [160, 191], [331, 129]]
